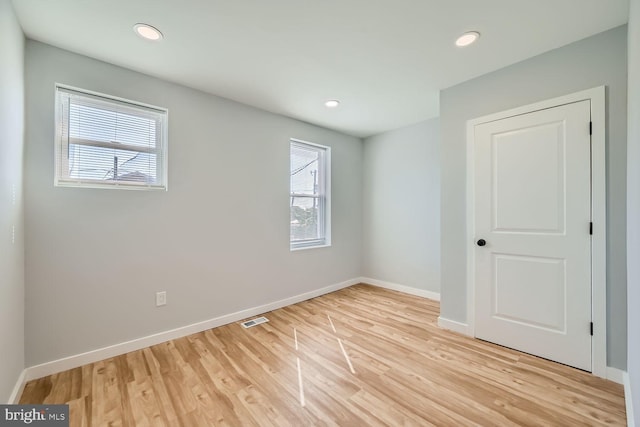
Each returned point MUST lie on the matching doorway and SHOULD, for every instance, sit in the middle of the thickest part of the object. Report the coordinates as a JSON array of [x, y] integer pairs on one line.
[[534, 266]]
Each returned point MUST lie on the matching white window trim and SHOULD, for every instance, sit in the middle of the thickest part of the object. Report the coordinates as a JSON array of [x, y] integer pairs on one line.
[[109, 184], [316, 243]]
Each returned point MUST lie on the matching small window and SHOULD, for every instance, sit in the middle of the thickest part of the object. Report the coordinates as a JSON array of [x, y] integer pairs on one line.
[[310, 195], [104, 142]]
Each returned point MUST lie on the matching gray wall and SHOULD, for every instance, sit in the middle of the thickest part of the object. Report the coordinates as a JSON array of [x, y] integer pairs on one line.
[[595, 61], [401, 206], [633, 208], [217, 241], [11, 208]]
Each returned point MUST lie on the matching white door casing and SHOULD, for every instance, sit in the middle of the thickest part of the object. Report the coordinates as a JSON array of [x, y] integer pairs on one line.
[[530, 174]]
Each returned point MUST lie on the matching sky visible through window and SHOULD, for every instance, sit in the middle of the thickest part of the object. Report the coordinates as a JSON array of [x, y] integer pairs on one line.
[[88, 123], [305, 176], [304, 171]]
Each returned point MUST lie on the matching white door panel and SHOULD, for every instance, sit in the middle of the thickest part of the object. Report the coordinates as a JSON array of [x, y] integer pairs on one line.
[[522, 284], [533, 207], [518, 156]]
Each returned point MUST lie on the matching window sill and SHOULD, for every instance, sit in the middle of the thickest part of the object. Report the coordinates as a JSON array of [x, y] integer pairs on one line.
[[303, 248], [108, 186]]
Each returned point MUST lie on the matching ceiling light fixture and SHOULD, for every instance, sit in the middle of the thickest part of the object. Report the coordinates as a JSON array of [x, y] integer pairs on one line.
[[332, 103], [467, 38], [147, 32]]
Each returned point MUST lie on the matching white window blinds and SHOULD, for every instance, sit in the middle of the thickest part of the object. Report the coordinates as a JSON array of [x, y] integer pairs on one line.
[[107, 142]]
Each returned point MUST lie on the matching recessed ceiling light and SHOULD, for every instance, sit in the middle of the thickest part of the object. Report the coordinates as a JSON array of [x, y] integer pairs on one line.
[[467, 38], [147, 32], [332, 103]]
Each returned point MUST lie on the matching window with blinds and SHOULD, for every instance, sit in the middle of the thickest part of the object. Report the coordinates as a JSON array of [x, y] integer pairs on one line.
[[107, 142], [309, 195]]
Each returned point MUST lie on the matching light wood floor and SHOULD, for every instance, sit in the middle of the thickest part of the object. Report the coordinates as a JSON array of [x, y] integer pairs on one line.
[[397, 369]]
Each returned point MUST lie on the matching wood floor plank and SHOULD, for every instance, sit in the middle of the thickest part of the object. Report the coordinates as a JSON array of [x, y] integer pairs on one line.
[[78, 413], [367, 357]]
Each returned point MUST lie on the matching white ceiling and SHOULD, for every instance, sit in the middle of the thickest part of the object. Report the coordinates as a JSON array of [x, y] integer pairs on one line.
[[384, 60]]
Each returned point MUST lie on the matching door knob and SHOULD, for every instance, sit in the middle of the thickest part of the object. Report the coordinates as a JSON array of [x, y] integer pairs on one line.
[[481, 242]]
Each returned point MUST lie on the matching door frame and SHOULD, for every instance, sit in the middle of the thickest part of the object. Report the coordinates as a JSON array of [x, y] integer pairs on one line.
[[598, 215]]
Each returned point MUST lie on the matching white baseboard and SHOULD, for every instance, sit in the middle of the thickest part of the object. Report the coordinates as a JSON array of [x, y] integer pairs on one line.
[[92, 356], [401, 288], [628, 399], [616, 375], [19, 388], [453, 325]]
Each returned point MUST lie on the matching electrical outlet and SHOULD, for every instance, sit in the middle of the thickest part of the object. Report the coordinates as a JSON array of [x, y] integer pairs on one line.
[[161, 298]]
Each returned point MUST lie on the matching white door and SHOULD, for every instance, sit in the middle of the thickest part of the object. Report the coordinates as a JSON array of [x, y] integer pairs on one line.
[[532, 213]]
